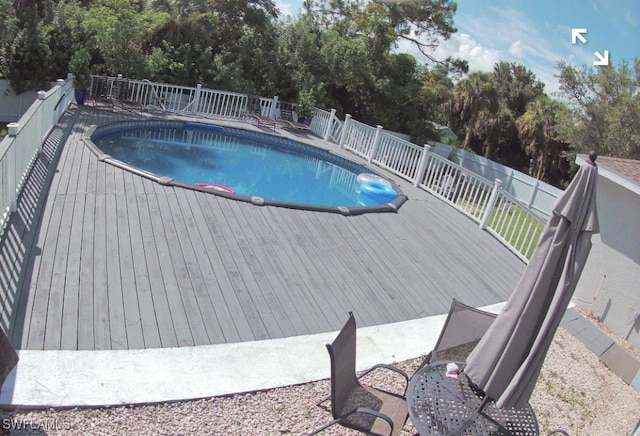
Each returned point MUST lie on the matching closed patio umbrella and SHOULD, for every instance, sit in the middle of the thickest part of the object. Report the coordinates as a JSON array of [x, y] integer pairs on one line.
[[507, 361]]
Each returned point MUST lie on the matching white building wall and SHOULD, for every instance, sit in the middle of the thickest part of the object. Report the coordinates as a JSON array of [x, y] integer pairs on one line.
[[612, 272]]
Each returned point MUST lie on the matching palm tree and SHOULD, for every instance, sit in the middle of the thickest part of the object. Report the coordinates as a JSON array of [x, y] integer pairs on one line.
[[537, 131], [471, 96], [497, 129]]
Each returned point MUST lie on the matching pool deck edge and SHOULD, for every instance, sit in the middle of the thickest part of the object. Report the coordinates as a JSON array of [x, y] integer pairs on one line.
[[117, 377]]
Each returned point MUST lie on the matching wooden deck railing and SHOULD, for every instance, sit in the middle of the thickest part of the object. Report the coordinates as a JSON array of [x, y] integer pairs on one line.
[[20, 148]]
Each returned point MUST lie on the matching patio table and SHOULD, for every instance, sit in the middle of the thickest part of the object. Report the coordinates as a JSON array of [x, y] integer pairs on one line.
[[441, 405]]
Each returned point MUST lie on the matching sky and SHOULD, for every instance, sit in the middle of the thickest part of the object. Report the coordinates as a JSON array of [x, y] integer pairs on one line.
[[534, 33]]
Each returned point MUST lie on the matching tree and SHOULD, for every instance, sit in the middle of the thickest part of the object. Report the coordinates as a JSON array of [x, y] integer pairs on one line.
[[227, 44], [73, 48], [28, 57], [474, 98], [383, 24], [434, 93], [121, 30], [517, 86], [436, 89], [496, 129], [350, 72], [604, 110], [538, 133]]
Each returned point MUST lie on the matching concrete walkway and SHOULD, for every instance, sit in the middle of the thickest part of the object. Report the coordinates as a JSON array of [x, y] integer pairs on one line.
[[616, 358], [101, 378], [115, 377]]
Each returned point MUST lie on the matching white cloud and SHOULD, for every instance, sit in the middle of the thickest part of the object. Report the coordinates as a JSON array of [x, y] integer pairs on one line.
[[459, 45], [509, 35], [516, 49], [285, 8], [518, 39], [629, 18], [462, 45]]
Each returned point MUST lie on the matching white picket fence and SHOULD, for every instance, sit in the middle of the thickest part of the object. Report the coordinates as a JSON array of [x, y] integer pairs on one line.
[[20, 148]]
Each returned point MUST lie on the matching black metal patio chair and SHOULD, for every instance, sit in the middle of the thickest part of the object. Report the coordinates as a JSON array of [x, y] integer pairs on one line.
[[364, 408], [254, 114], [462, 330], [286, 116], [454, 406]]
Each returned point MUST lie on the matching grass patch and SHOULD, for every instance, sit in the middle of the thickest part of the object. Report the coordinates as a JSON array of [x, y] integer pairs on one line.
[[519, 228]]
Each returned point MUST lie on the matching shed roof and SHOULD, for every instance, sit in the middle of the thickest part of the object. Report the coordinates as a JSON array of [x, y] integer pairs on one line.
[[625, 172]]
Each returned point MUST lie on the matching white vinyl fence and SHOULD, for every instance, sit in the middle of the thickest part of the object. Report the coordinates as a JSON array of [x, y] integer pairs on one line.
[[514, 207], [20, 148], [170, 98], [515, 222], [537, 195], [13, 105]]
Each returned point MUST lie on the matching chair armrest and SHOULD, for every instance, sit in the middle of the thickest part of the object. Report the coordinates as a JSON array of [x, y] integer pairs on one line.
[[390, 368], [371, 412]]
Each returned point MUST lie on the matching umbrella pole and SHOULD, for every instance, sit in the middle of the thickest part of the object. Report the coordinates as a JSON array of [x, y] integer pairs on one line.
[[595, 297]]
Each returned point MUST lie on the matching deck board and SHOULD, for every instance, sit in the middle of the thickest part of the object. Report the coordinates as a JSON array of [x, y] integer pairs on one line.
[[268, 312], [71, 308], [100, 281], [130, 300], [150, 334], [217, 320], [177, 310], [115, 301], [311, 280], [187, 271], [261, 246], [235, 265], [239, 328], [269, 296], [100, 258], [149, 262], [86, 280]]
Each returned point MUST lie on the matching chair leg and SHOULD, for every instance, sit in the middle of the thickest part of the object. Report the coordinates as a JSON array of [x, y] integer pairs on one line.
[[324, 427], [559, 431], [328, 397]]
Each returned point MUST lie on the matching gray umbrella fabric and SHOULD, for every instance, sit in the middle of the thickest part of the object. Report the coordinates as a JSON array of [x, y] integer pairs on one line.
[[507, 361]]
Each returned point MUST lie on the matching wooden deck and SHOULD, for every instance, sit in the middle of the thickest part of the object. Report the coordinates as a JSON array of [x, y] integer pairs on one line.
[[99, 258]]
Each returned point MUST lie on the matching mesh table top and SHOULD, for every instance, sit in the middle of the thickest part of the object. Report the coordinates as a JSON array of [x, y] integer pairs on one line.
[[439, 405]]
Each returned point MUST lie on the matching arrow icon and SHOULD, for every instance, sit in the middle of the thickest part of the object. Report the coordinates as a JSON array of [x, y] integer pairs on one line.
[[577, 34], [602, 60]]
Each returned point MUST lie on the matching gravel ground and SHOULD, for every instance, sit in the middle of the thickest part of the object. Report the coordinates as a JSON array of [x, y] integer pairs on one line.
[[574, 392]]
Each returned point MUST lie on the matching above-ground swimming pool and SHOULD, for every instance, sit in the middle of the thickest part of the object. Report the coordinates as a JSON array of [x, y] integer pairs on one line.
[[246, 165]]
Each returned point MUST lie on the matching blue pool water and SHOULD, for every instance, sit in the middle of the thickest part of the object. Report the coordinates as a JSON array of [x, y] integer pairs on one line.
[[251, 164]]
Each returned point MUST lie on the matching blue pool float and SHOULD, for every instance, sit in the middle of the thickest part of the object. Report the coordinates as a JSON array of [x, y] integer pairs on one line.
[[368, 177], [378, 191]]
